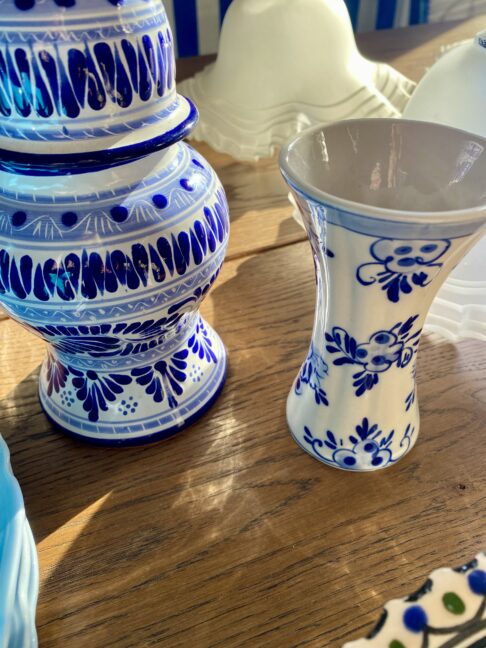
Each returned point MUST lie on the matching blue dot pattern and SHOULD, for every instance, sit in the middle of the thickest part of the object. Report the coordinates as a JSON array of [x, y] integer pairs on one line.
[[477, 582], [415, 619], [119, 213]]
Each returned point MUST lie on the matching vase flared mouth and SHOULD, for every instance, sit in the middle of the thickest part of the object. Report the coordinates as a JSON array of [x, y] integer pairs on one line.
[[390, 169]]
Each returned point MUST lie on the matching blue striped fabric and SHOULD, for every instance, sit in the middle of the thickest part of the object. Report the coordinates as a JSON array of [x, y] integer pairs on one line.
[[386, 14], [223, 7], [196, 23], [185, 14]]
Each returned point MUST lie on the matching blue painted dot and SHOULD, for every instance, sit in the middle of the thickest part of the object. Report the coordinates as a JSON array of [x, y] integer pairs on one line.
[[377, 461], [361, 353], [19, 218], [407, 261], [430, 247], [160, 201], [378, 360], [369, 447], [349, 461], [24, 5], [185, 184], [135, 404], [65, 3], [477, 581], [403, 249], [69, 219], [382, 338], [119, 213], [415, 619], [124, 402], [197, 163], [125, 413]]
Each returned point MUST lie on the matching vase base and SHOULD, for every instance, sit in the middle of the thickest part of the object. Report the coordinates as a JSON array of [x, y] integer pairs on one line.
[[364, 449], [343, 468], [146, 405]]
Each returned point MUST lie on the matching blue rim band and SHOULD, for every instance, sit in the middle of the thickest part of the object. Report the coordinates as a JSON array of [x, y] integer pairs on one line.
[[71, 163]]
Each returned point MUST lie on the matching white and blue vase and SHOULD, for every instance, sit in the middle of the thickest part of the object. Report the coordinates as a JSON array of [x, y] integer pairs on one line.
[[112, 230], [390, 208]]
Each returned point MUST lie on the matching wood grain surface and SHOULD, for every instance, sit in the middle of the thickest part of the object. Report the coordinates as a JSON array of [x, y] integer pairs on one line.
[[228, 535]]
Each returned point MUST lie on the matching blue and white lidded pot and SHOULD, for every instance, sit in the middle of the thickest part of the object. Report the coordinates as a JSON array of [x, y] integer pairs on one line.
[[112, 230]]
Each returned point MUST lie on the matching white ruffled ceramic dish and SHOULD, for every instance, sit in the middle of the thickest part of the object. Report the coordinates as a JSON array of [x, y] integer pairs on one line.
[[448, 611], [282, 66], [19, 580]]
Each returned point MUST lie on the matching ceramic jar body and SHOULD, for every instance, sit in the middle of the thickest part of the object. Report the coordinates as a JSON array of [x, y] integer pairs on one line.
[[109, 268], [354, 405]]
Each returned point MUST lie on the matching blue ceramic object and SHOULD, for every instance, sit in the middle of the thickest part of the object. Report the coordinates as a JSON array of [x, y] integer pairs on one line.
[[390, 207], [112, 230], [19, 572]]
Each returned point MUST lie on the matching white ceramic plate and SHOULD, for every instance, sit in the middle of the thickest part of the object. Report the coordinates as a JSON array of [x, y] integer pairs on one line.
[[19, 580], [448, 611]]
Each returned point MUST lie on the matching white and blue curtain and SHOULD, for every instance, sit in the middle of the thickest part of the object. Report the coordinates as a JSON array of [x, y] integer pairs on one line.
[[196, 23]]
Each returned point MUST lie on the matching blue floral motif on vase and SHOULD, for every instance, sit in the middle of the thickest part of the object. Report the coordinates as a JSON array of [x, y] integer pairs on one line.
[[384, 349], [313, 371], [367, 449], [399, 266]]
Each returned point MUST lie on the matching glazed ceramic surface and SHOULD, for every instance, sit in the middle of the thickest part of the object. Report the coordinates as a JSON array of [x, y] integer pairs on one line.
[[19, 577], [453, 92], [390, 207], [283, 65], [107, 253], [78, 77], [448, 611], [459, 310]]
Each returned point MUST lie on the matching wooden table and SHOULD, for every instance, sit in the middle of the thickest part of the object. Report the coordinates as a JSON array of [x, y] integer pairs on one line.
[[228, 535]]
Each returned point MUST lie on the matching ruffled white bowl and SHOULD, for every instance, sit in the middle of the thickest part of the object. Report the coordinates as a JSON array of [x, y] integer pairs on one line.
[[282, 66]]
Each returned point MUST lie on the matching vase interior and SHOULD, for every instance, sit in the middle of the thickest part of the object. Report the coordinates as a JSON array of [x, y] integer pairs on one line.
[[390, 168]]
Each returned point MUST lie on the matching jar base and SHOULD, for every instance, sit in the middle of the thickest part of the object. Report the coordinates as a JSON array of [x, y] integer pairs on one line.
[[140, 406]]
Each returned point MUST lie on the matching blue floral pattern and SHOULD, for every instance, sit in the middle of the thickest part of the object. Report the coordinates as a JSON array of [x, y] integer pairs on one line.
[[200, 344], [367, 449], [401, 265], [56, 376], [384, 349], [107, 340], [313, 371], [164, 379], [96, 391]]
